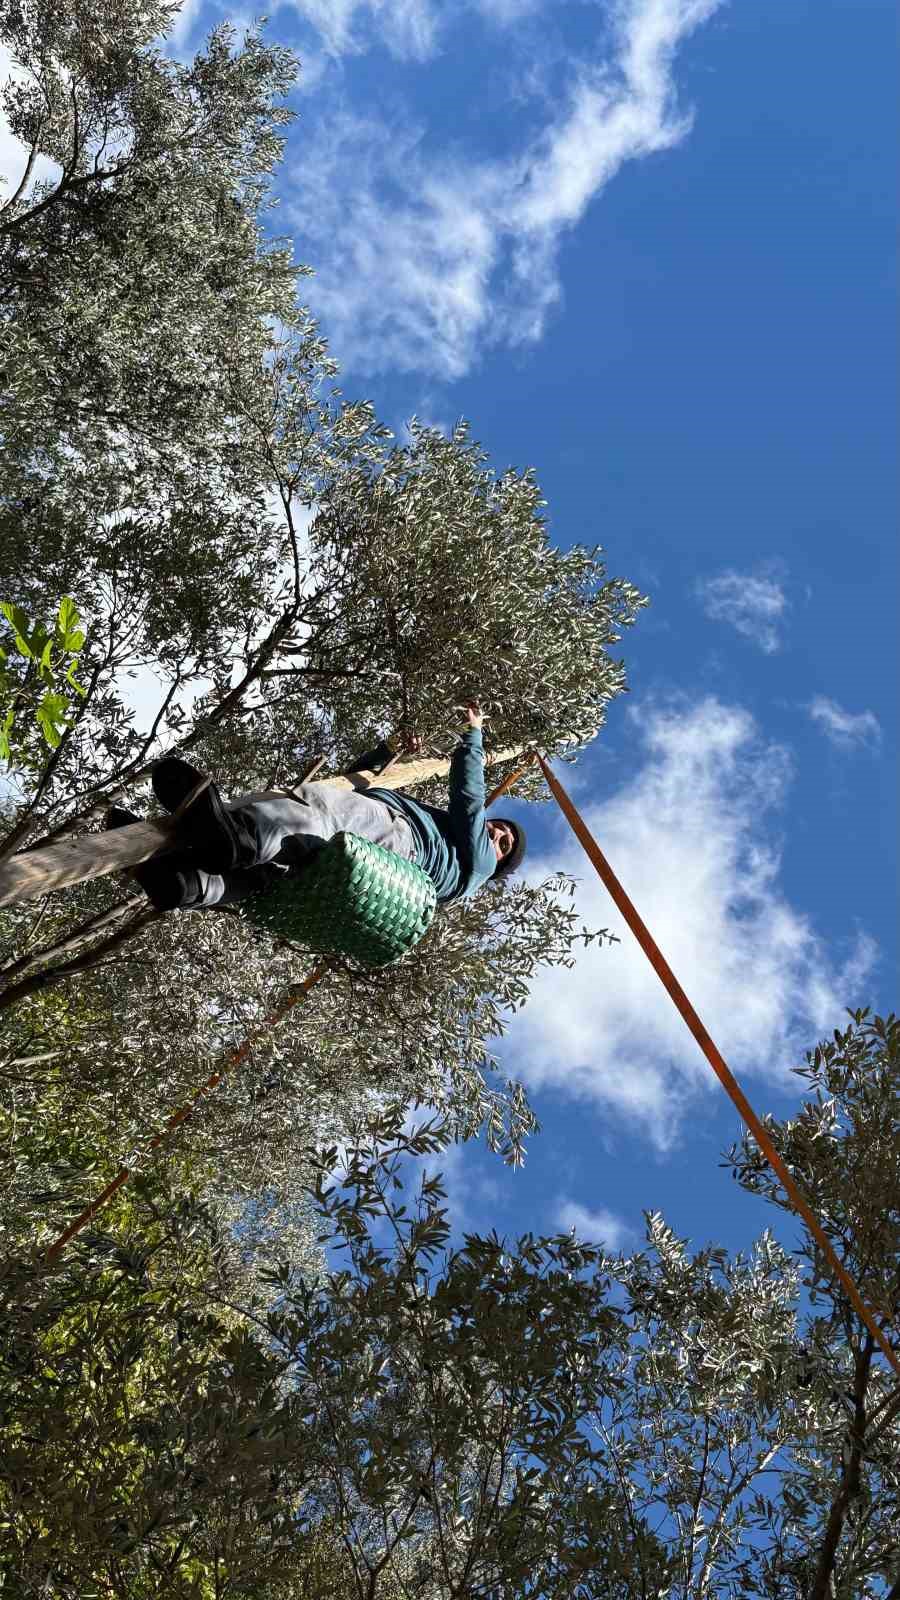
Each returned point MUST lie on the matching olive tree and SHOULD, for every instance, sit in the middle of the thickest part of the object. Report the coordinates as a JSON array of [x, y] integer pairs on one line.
[[170, 431], [399, 1417], [449, 587], [453, 1456], [173, 459], [177, 1000], [145, 1437], [402, 1422], [754, 1424]]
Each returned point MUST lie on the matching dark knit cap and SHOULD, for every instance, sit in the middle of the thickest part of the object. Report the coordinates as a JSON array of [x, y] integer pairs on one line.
[[510, 862]]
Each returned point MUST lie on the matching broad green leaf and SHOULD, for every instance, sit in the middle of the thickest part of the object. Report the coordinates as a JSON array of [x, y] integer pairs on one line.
[[70, 678], [51, 716]]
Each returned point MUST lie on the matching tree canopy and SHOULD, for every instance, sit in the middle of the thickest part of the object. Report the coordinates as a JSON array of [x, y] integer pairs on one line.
[[399, 1417]]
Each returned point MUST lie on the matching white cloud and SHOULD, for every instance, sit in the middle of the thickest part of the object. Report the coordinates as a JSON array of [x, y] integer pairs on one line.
[[754, 603], [597, 1226], [426, 256], [409, 28], [691, 840], [846, 729], [183, 26]]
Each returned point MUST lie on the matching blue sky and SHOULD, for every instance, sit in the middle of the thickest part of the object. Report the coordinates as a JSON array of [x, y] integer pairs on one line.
[[647, 249]]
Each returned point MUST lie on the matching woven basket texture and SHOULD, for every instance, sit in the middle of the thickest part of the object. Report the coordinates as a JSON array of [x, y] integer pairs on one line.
[[352, 899]]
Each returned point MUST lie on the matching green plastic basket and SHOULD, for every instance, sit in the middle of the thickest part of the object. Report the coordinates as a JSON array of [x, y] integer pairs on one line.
[[352, 899]]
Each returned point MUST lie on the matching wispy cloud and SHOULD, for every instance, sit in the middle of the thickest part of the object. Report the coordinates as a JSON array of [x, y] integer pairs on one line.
[[597, 1226], [847, 729], [184, 24], [692, 838], [506, 12], [752, 602], [409, 28], [425, 256]]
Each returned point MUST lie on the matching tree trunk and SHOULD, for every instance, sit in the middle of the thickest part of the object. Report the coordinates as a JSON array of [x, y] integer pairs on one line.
[[32, 873]]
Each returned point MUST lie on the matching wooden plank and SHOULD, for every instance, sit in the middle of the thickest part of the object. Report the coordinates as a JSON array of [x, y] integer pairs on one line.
[[32, 873], [73, 859]]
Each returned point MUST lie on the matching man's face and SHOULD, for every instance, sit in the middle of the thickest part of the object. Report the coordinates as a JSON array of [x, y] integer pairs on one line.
[[502, 838]]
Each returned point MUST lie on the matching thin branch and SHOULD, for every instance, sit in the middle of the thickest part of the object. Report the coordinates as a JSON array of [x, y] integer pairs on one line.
[[38, 981], [68, 184], [285, 494], [323, 672], [24, 180], [886, 1411], [76, 127], [698, 1502], [167, 701], [32, 933], [65, 186], [625, 1487], [732, 1492], [851, 1477], [70, 941]]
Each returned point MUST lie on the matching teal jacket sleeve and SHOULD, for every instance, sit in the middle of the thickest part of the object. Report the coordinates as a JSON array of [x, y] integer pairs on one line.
[[468, 820]]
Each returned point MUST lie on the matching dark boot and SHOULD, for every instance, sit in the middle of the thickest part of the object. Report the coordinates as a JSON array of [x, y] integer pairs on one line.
[[169, 881], [219, 840], [120, 817]]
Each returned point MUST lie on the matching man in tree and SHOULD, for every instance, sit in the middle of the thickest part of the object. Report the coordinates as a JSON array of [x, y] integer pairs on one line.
[[240, 847]]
